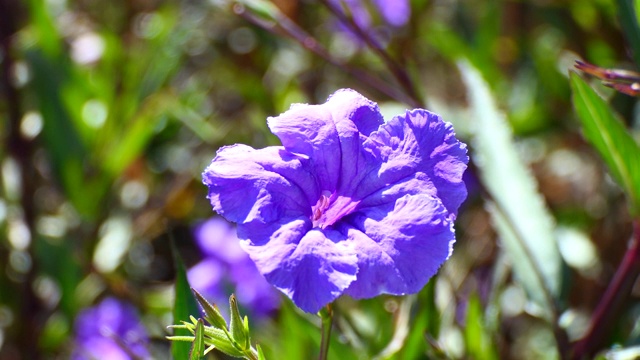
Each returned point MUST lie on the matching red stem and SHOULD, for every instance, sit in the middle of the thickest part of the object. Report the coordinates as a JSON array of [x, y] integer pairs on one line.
[[29, 326], [618, 290]]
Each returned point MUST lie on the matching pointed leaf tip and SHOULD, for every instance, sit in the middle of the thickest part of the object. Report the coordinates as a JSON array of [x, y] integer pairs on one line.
[[604, 130], [237, 325], [213, 315]]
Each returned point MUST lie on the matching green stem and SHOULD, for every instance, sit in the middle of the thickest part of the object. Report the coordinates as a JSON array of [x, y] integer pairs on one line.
[[326, 315]]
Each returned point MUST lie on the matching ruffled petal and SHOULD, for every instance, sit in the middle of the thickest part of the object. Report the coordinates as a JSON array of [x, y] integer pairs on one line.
[[400, 246], [418, 142], [330, 135], [311, 266], [246, 184]]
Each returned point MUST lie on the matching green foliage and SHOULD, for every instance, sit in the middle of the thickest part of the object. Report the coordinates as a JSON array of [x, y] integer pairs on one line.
[[519, 213], [185, 306], [213, 315], [477, 339], [607, 134], [424, 323], [197, 347], [233, 341]]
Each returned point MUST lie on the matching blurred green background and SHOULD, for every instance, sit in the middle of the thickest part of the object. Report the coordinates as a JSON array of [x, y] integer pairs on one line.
[[110, 111]]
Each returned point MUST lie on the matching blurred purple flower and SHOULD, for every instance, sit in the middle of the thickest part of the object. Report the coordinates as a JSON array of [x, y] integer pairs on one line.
[[394, 12], [227, 268], [349, 204], [110, 330]]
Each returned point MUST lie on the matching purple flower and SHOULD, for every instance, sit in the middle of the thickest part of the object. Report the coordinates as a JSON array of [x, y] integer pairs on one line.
[[394, 12], [110, 330], [227, 268], [349, 204]]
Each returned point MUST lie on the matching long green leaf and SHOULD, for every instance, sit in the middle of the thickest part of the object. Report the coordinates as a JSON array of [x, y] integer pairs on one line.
[[477, 339], [610, 137], [518, 210], [185, 305], [425, 322], [65, 148]]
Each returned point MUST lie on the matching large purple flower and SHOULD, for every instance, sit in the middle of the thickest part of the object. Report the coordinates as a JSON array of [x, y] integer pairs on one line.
[[227, 268], [110, 330], [349, 204]]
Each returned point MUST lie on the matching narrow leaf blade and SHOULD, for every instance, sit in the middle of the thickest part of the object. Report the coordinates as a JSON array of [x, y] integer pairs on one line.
[[610, 137], [185, 305], [522, 220]]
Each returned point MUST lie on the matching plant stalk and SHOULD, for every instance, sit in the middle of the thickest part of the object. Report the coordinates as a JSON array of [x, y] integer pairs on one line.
[[607, 309], [283, 26], [396, 69], [326, 315]]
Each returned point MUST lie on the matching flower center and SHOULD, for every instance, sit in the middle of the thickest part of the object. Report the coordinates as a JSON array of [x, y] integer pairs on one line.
[[330, 208], [317, 211]]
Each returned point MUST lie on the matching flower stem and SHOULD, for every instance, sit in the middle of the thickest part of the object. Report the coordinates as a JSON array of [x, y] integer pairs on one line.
[[326, 315], [283, 26], [396, 70], [618, 290]]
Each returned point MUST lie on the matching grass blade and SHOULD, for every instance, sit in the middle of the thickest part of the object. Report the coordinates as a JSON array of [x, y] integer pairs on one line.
[[185, 305], [522, 220], [610, 137]]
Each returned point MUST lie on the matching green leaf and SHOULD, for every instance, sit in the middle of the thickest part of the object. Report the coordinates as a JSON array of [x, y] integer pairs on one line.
[[197, 348], [185, 306], [220, 340], [425, 322], [128, 145], [627, 13], [237, 327], [518, 210], [214, 317], [477, 339], [44, 27], [609, 136], [65, 148], [260, 353]]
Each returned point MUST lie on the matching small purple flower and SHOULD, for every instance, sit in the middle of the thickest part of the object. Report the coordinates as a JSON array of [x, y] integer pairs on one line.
[[394, 12], [110, 330], [228, 269], [349, 204]]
